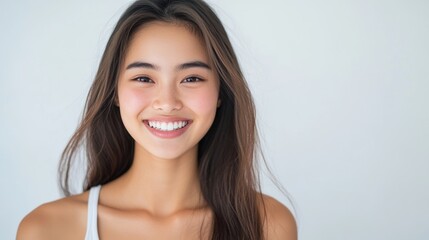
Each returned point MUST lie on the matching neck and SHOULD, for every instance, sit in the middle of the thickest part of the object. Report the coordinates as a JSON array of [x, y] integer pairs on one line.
[[162, 186]]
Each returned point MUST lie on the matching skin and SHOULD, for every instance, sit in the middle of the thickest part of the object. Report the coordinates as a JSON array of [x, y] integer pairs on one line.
[[164, 199]]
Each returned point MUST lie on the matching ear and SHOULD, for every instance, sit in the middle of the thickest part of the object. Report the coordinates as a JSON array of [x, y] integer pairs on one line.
[[219, 102]]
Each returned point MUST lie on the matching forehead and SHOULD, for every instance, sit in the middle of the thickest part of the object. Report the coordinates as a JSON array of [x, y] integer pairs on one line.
[[165, 43]]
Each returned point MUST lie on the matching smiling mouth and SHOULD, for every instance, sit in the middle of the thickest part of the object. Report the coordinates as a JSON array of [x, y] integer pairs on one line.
[[167, 126]]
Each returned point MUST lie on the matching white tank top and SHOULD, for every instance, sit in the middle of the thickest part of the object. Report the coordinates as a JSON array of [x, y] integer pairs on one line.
[[91, 224]]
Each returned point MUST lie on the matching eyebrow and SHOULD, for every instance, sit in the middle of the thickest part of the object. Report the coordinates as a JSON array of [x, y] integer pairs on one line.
[[182, 66]]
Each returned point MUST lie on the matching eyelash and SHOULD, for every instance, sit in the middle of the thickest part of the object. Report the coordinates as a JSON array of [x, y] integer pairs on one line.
[[191, 79], [143, 79]]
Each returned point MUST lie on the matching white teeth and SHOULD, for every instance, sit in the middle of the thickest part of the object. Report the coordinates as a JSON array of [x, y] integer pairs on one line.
[[167, 126]]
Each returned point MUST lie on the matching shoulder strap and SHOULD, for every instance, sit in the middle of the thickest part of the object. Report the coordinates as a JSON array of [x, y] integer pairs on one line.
[[91, 224]]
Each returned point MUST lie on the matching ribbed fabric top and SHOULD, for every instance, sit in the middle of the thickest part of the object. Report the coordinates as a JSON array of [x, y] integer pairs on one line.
[[91, 224]]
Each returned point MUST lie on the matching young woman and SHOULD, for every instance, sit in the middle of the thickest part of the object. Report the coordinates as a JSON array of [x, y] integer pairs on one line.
[[169, 133]]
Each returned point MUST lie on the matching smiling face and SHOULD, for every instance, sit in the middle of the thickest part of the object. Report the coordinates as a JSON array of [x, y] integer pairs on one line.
[[167, 91]]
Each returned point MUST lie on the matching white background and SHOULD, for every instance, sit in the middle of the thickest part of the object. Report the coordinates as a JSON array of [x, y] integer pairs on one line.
[[342, 93]]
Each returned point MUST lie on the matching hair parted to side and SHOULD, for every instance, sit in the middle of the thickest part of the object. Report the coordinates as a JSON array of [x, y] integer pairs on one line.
[[226, 154]]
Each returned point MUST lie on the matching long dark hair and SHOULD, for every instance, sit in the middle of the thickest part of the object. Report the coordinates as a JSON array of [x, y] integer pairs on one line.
[[226, 154]]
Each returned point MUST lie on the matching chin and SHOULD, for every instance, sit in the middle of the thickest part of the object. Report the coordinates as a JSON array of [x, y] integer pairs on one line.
[[167, 152]]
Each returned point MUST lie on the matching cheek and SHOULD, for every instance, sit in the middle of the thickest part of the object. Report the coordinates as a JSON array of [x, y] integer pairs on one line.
[[132, 101], [204, 102]]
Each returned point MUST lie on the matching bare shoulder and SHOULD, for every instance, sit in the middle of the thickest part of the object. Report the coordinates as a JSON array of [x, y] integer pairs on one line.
[[61, 219], [279, 223]]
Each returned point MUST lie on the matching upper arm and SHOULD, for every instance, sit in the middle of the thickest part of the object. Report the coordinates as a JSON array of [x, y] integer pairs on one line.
[[279, 222]]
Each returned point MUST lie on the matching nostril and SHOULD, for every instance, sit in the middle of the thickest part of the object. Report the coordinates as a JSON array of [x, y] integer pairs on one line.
[[167, 105]]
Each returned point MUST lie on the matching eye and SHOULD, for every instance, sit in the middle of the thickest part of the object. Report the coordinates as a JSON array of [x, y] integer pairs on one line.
[[192, 79], [143, 79]]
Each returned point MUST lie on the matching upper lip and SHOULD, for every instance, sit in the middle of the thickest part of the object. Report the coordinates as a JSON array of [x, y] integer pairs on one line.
[[167, 119]]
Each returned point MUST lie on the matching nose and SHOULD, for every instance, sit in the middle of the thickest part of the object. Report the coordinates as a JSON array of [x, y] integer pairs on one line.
[[167, 99]]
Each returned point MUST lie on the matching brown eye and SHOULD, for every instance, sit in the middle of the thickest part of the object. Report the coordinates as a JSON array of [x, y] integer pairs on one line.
[[192, 79], [143, 79]]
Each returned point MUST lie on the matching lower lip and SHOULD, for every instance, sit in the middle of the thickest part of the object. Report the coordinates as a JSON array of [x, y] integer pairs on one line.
[[167, 134]]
